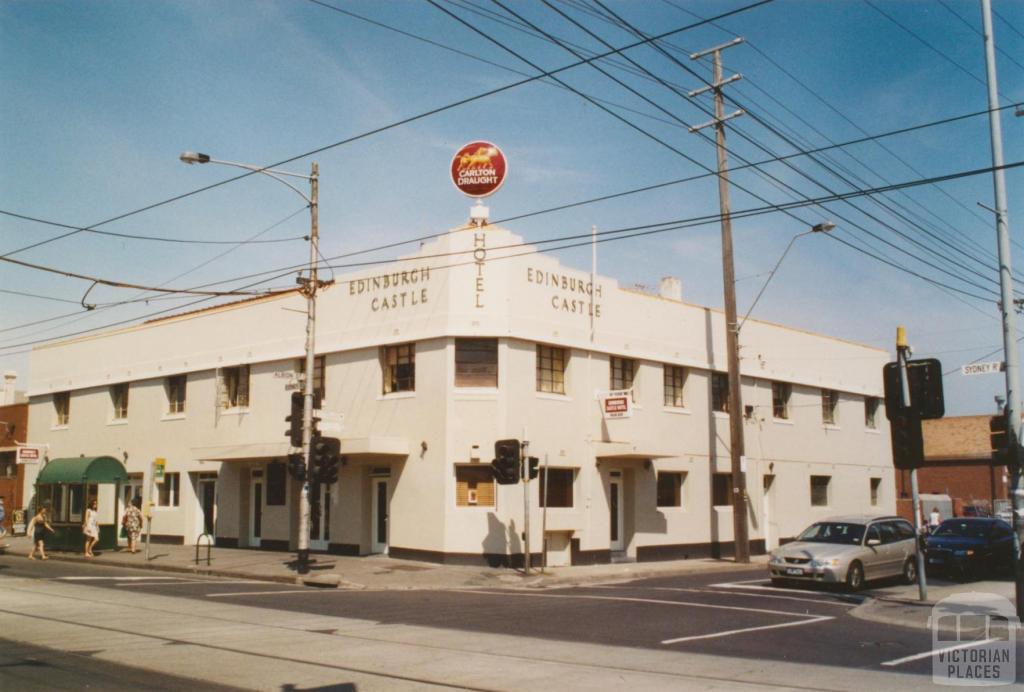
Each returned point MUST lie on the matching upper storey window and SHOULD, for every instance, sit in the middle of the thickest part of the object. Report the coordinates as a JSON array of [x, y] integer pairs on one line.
[[399, 368], [234, 387], [550, 369], [119, 400], [62, 408], [476, 362]]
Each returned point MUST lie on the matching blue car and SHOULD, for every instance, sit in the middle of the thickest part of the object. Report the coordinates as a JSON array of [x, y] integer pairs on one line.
[[970, 547]]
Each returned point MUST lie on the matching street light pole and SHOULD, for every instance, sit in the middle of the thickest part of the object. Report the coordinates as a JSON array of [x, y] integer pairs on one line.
[[309, 288]]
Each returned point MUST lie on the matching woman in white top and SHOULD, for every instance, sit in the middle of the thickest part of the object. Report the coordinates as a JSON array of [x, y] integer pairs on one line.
[[91, 528]]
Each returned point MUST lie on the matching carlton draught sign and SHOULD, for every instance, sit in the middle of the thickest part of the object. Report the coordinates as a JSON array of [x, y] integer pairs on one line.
[[478, 169]]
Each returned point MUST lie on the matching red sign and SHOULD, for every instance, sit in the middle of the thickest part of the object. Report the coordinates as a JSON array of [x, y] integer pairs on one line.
[[27, 455], [478, 169]]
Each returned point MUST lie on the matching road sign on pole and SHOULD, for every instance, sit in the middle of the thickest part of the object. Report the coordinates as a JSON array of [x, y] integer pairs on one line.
[[983, 368]]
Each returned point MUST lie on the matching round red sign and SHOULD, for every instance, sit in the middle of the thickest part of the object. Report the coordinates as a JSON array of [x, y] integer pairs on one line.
[[478, 169]]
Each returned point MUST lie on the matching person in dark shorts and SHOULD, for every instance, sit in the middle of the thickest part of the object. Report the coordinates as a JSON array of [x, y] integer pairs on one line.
[[37, 528]]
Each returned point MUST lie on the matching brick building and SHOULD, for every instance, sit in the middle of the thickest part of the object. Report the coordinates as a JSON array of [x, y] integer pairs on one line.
[[13, 429], [961, 449]]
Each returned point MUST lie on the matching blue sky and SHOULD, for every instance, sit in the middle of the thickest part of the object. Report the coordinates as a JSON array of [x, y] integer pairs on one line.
[[100, 98]]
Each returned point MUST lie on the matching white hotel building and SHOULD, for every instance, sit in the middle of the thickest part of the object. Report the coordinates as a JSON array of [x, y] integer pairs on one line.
[[430, 359]]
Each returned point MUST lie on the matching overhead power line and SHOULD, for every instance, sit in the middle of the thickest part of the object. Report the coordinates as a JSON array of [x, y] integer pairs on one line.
[[135, 236]]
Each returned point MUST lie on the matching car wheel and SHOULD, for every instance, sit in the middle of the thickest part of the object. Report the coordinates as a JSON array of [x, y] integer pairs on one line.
[[909, 571], [855, 577]]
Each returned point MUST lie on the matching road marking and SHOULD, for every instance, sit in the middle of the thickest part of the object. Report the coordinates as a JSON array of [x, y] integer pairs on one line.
[[727, 633], [732, 593], [630, 599], [935, 652], [754, 585], [264, 593], [146, 578]]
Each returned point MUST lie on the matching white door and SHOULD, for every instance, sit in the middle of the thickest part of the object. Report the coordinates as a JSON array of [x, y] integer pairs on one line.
[[379, 529], [129, 491], [771, 522], [256, 510], [618, 541], [320, 519]]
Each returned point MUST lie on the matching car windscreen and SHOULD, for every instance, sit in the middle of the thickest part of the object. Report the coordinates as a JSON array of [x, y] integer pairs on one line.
[[963, 529], [833, 532]]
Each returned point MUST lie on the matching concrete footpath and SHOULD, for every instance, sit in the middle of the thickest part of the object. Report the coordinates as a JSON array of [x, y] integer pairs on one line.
[[377, 572], [901, 605]]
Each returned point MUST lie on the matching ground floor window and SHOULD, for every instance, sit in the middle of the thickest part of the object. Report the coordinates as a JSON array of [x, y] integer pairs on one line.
[[819, 490], [556, 487], [876, 484], [721, 489], [474, 486], [670, 488], [168, 493]]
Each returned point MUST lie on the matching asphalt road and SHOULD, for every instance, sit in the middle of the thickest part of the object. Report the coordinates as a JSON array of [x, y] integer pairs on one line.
[[736, 614]]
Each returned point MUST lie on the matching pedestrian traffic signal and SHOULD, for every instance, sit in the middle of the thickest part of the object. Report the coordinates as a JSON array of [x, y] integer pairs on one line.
[[297, 467], [324, 453], [294, 431], [907, 440], [533, 463], [1000, 439], [506, 462]]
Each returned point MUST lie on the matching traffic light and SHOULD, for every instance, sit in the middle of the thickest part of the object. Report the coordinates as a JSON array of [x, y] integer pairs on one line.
[[294, 431], [534, 466], [907, 440], [924, 377], [1000, 439], [297, 467], [324, 452], [506, 462]]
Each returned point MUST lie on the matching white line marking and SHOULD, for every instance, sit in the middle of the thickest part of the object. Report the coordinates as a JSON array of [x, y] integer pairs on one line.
[[264, 593], [754, 586], [732, 593], [655, 601], [728, 633], [935, 652], [146, 578]]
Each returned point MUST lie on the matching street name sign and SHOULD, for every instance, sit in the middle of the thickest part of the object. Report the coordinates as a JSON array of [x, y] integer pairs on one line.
[[983, 368]]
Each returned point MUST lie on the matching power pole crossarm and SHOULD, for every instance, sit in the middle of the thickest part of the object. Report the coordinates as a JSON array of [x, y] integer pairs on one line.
[[741, 538]]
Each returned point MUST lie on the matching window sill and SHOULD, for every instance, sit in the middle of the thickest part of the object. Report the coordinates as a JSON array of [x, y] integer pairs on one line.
[[830, 426], [65, 426], [677, 410], [783, 421], [173, 416], [236, 411], [720, 414], [552, 396], [396, 395], [477, 508], [117, 421], [872, 431]]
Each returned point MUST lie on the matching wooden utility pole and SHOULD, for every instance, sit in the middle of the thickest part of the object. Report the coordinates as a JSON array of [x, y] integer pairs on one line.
[[741, 538]]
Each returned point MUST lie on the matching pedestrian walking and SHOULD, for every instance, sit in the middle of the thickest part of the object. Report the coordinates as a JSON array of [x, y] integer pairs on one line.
[[934, 519], [37, 529], [91, 528], [132, 522]]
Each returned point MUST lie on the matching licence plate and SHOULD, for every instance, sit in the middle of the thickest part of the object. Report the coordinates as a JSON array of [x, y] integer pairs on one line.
[[795, 571], [935, 560]]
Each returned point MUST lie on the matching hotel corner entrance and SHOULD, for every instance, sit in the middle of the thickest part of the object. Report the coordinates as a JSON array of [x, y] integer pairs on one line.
[[616, 513]]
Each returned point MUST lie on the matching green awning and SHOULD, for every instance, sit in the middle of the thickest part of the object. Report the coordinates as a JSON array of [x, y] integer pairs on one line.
[[83, 470]]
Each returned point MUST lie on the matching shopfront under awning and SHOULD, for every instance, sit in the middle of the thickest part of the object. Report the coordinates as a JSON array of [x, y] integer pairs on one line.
[[82, 470]]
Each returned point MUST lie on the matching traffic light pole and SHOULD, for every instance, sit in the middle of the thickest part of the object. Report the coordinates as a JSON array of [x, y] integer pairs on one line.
[[307, 383], [524, 466], [1013, 403], [901, 357]]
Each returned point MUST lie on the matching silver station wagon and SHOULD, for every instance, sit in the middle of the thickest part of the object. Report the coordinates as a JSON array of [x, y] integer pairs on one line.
[[847, 550]]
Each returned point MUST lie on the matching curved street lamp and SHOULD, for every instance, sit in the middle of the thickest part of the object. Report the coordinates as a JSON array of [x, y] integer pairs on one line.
[[309, 288]]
